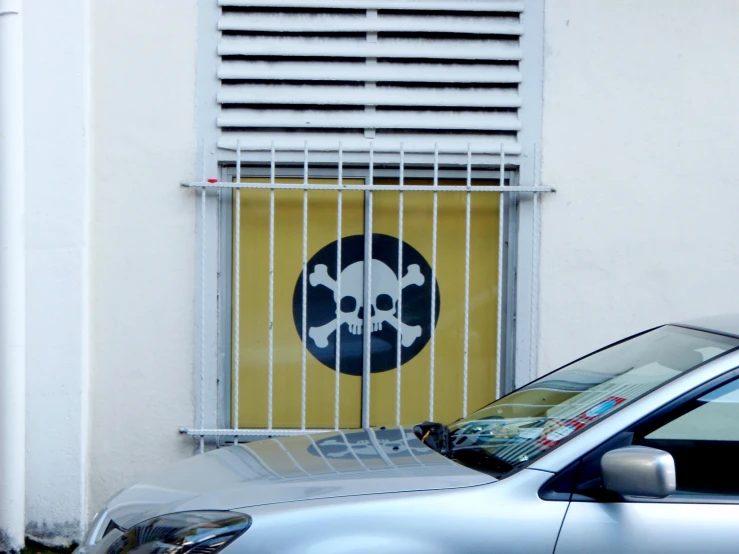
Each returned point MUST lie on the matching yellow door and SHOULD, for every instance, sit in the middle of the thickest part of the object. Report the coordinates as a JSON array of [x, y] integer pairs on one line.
[[324, 306]]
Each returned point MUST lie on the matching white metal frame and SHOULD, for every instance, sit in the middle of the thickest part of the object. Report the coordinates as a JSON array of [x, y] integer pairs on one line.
[[522, 248], [226, 185]]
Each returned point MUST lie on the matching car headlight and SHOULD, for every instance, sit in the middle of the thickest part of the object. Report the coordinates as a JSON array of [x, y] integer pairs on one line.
[[205, 532], [94, 532]]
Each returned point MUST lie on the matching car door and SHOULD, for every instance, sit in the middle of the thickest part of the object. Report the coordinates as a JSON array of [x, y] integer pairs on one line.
[[702, 435]]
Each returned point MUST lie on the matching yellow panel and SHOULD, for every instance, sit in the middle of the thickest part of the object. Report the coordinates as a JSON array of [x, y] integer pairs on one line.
[[449, 349], [254, 293], [254, 308]]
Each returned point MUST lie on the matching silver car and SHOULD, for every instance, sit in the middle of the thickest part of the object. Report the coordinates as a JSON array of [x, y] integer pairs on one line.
[[634, 448]]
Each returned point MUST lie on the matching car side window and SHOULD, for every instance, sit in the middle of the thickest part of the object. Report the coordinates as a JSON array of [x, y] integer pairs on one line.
[[704, 441]]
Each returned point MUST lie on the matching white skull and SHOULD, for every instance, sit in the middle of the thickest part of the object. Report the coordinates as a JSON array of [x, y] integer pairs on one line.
[[350, 306], [384, 294], [352, 297]]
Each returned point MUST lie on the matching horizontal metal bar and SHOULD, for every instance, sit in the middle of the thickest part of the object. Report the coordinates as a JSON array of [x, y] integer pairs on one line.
[[417, 48], [482, 172], [360, 96], [250, 432], [385, 72], [387, 143], [332, 23], [432, 5], [341, 119], [375, 188]]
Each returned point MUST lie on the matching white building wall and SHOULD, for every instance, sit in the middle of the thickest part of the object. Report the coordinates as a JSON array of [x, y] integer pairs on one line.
[[640, 133], [56, 42], [143, 243], [639, 129]]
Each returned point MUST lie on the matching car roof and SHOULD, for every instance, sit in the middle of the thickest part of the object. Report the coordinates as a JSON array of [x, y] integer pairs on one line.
[[725, 324]]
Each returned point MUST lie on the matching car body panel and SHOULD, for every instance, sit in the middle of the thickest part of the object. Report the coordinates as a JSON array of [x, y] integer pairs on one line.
[[504, 516], [642, 527], [290, 469]]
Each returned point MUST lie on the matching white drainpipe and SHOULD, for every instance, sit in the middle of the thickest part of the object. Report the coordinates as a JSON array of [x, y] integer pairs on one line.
[[12, 281]]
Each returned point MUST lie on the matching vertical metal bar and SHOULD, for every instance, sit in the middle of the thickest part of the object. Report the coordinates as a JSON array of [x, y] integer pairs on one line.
[[367, 324], [434, 229], [270, 384], [398, 376], [304, 359], [339, 214], [501, 243], [216, 385], [237, 290], [202, 315], [534, 344], [468, 215]]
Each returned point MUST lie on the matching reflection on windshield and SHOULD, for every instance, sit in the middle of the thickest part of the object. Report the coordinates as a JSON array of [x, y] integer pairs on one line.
[[525, 424]]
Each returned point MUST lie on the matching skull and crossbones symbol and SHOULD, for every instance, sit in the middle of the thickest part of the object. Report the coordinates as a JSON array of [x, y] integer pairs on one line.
[[350, 306]]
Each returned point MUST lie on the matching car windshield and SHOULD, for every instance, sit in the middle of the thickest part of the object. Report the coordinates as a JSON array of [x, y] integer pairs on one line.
[[522, 426]]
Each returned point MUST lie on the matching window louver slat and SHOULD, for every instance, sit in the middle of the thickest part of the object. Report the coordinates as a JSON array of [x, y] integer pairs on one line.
[[361, 96], [386, 120], [430, 5], [360, 48], [308, 23], [333, 71], [413, 71]]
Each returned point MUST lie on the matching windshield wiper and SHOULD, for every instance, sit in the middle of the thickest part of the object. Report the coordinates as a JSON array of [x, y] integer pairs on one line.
[[434, 435], [481, 458]]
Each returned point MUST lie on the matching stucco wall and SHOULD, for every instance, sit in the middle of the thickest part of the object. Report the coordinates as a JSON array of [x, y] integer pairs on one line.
[[142, 237], [640, 133], [57, 191]]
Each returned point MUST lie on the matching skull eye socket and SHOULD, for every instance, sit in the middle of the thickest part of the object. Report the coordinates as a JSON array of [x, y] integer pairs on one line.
[[384, 302], [348, 304]]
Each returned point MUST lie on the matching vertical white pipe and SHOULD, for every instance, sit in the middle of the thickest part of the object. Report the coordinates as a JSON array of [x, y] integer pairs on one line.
[[270, 361], [398, 375], [501, 242], [237, 291], [203, 196], [434, 231], [339, 209], [304, 315], [468, 216], [367, 362], [12, 281], [535, 253]]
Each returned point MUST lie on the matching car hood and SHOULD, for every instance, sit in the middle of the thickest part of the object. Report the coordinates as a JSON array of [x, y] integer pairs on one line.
[[270, 471]]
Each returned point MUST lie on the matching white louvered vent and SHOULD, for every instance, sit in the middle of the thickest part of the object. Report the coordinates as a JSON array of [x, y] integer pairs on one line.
[[412, 71]]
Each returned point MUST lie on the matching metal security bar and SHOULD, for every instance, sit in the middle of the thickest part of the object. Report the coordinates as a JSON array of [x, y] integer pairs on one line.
[[471, 164]]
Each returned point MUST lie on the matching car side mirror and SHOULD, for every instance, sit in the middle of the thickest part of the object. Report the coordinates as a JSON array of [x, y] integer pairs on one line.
[[639, 471]]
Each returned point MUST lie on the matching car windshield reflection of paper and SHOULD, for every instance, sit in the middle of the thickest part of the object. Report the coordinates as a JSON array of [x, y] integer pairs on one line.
[[525, 424]]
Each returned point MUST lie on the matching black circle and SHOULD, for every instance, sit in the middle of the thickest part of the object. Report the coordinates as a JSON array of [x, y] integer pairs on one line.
[[321, 307]]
